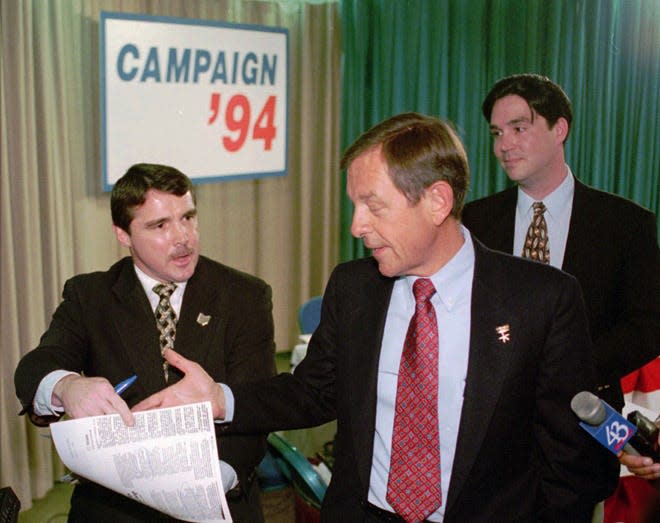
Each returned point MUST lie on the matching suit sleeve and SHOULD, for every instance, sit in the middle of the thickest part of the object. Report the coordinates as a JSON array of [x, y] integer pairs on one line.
[[62, 346], [575, 471], [633, 338], [249, 356], [300, 400]]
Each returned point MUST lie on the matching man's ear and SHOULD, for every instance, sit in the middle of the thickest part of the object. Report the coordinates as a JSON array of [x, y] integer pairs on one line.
[[122, 236], [441, 201], [561, 129]]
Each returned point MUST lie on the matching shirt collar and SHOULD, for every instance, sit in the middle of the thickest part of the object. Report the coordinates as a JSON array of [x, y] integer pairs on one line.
[[556, 203], [148, 282], [454, 279]]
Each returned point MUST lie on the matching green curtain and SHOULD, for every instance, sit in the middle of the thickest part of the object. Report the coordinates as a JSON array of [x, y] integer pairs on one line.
[[440, 57]]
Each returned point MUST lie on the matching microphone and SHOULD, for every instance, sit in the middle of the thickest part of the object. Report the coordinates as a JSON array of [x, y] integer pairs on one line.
[[646, 439], [603, 423]]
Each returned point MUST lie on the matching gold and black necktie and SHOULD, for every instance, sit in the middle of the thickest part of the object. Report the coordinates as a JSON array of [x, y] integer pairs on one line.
[[166, 320], [536, 242]]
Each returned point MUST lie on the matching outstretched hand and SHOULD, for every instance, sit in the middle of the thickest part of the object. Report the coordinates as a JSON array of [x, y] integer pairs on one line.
[[81, 397], [196, 386]]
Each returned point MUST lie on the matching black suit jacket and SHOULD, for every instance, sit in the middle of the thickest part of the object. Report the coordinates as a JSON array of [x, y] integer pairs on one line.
[[612, 250], [520, 456], [105, 327]]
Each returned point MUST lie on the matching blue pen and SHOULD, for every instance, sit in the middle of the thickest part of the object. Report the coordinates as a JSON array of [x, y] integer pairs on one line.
[[123, 385]]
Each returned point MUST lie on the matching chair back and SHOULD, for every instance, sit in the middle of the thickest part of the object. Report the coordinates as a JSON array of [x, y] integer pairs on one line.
[[309, 315], [307, 482]]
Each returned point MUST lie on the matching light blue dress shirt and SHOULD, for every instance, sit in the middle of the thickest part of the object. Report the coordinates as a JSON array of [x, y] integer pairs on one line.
[[452, 303]]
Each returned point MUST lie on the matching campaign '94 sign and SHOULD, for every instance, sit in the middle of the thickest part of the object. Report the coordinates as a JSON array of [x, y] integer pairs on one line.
[[207, 97]]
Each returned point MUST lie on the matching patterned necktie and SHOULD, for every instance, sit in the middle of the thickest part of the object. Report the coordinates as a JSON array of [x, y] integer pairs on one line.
[[413, 488], [166, 320], [536, 242]]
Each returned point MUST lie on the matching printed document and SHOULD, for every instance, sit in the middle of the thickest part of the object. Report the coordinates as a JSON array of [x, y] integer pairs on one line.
[[168, 460]]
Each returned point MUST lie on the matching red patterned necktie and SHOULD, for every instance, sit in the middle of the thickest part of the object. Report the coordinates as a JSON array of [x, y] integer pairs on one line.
[[165, 320], [536, 242], [413, 488]]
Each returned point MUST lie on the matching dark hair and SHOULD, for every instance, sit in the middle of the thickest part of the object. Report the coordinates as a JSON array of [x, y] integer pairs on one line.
[[541, 94], [130, 191], [418, 150]]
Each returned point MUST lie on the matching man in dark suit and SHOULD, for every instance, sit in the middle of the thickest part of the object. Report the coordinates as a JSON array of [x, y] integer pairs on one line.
[[105, 330], [608, 243], [501, 347]]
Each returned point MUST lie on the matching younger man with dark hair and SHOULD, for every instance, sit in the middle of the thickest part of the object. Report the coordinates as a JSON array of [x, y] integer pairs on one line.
[[608, 243]]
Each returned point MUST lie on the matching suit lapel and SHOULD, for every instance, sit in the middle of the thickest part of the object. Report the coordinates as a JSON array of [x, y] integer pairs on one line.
[[132, 316], [366, 321], [576, 259], [200, 322], [504, 223], [197, 325], [501, 221], [489, 357]]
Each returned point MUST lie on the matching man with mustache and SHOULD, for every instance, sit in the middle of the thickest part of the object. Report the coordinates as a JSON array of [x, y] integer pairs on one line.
[[105, 330]]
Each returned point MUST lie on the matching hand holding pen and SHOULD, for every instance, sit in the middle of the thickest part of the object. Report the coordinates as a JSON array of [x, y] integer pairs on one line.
[[119, 390], [81, 397]]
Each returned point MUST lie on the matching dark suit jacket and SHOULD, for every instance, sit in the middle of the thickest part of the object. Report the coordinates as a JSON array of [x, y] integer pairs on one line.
[[521, 455], [105, 327], [612, 250]]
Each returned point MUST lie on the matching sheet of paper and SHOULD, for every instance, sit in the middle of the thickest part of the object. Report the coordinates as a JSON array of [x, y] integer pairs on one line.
[[168, 460]]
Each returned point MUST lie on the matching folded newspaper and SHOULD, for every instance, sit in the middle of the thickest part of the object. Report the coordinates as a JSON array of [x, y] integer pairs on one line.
[[168, 460]]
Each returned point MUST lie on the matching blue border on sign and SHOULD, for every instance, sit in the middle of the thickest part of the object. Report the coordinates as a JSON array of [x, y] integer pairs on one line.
[[108, 15]]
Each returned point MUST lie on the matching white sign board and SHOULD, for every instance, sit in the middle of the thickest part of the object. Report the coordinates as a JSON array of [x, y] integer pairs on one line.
[[207, 97]]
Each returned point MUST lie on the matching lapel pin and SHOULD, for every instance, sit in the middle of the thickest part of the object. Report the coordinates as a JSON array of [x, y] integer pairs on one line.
[[504, 334], [203, 319]]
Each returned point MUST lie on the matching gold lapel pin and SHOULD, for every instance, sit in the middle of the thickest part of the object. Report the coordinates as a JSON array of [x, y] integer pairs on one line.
[[504, 334], [203, 319]]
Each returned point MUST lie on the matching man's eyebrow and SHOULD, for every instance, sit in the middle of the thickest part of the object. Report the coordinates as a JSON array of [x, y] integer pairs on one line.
[[370, 198], [515, 121], [521, 119], [157, 221]]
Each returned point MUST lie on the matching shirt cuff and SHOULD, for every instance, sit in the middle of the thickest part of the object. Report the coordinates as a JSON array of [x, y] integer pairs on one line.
[[228, 475], [42, 403], [229, 405]]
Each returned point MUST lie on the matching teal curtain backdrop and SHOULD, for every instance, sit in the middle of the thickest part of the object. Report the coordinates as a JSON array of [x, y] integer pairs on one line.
[[440, 57]]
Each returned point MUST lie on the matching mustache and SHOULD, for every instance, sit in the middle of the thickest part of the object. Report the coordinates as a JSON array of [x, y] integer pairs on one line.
[[181, 251]]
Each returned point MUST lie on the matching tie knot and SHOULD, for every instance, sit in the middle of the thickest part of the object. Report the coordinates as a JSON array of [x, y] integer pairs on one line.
[[539, 208], [164, 290], [423, 289]]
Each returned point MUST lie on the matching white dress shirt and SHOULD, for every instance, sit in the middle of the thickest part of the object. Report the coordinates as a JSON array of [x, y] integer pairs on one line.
[[559, 205], [42, 403], [42, 399]]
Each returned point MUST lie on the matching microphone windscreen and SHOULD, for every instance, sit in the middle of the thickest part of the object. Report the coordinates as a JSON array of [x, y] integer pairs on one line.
[[589, 408]]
